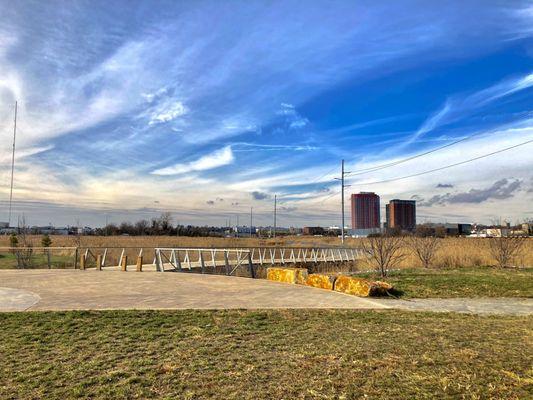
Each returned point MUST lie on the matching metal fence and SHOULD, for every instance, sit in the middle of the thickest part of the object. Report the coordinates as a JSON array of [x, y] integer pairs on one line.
[[241, 261]]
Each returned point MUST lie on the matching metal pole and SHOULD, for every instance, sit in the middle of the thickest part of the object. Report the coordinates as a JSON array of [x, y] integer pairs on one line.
[[251, 220], [342, 200], [275, 210], [13, 162]]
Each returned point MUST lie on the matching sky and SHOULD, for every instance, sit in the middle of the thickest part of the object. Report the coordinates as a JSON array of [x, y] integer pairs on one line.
[[207, 108]]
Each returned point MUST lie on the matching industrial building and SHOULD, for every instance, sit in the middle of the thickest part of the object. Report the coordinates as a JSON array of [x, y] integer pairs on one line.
[[401, 215]]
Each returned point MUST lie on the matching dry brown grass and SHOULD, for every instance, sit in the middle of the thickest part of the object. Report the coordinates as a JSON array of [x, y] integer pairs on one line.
[[453, 252]]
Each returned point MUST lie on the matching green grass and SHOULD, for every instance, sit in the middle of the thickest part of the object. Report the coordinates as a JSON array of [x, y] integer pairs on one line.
[[38, 260], [463, 282], [294, 354]]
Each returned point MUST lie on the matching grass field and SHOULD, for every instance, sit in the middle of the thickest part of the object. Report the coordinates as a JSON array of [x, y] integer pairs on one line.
[[462, 282], [454, 252], [264, 355], [9, 261]]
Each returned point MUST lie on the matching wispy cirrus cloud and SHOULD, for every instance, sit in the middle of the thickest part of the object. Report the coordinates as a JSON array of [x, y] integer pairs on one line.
[[458, 107], [167, 113], [216, 159], [104, 89]]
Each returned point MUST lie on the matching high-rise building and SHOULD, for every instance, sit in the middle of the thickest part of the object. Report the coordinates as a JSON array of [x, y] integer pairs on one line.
[[365, 211], [401, 214]]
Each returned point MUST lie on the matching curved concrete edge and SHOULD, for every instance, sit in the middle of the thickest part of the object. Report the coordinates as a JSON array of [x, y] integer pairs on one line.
[[17, 299]]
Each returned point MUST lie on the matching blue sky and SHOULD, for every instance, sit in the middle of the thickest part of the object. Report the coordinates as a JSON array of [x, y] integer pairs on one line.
[[206, 109]]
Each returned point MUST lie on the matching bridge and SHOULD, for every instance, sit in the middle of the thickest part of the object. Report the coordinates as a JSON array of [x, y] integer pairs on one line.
[[242, 261], [179, 259]]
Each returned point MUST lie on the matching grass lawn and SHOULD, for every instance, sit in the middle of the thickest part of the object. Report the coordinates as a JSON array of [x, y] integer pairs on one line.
[[462, 282], [38, 260], [293, 354]]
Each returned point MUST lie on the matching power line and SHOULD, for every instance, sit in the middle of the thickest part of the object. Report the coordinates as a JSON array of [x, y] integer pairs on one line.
[[391, 164], [446, 166], [431, 170]]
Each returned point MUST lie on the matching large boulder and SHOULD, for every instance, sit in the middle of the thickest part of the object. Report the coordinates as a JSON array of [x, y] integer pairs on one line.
[[320, 281], [287, 275], [361, 287]]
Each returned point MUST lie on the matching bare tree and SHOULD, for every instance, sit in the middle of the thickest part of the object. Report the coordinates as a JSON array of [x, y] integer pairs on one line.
[[141, 227], [505, 249], [25, 251], [165, 222], [77, 236], [425, 248], [384, 252]]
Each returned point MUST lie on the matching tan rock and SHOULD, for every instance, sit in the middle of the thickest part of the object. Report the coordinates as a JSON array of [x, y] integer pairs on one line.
[[355, 286], [361, 287], [287, 275], [320, 281]]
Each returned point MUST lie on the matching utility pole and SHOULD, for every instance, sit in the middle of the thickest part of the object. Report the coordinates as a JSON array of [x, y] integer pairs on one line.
[[342, 200], [343, 173], [275, 210], [251, 220], [13, 163]]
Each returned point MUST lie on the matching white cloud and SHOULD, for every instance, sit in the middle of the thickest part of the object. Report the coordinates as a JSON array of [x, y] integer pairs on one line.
[[432, 122], [24, 152], [168, 113], [457, 107], [215, 159]]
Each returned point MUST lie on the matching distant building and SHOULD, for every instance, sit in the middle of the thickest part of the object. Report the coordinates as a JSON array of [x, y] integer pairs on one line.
[[313, 230], [496, 232], [465, 229], [333, 231], [244, 230], [401, 214], [365, 211], [458, 229], [4, 225]]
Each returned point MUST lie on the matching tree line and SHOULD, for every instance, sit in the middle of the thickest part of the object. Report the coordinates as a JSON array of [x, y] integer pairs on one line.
[[162, 225]]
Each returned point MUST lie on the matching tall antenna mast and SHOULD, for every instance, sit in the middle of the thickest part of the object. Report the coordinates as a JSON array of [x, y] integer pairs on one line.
[[275, 207], [13, 162], [251, 219], [342, 201]]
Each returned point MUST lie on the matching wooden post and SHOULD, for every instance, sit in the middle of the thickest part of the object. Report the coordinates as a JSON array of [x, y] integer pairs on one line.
[[82, 261], [139, 263], [124, 262], [99, 262]]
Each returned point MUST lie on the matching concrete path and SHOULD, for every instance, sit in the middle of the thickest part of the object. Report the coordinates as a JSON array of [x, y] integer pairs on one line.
[[98, 290], [17, 299], [483, 306], [80, 290]]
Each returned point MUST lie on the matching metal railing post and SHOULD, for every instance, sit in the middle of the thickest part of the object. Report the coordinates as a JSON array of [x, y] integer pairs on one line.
[[226, 262], [251, 265]]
